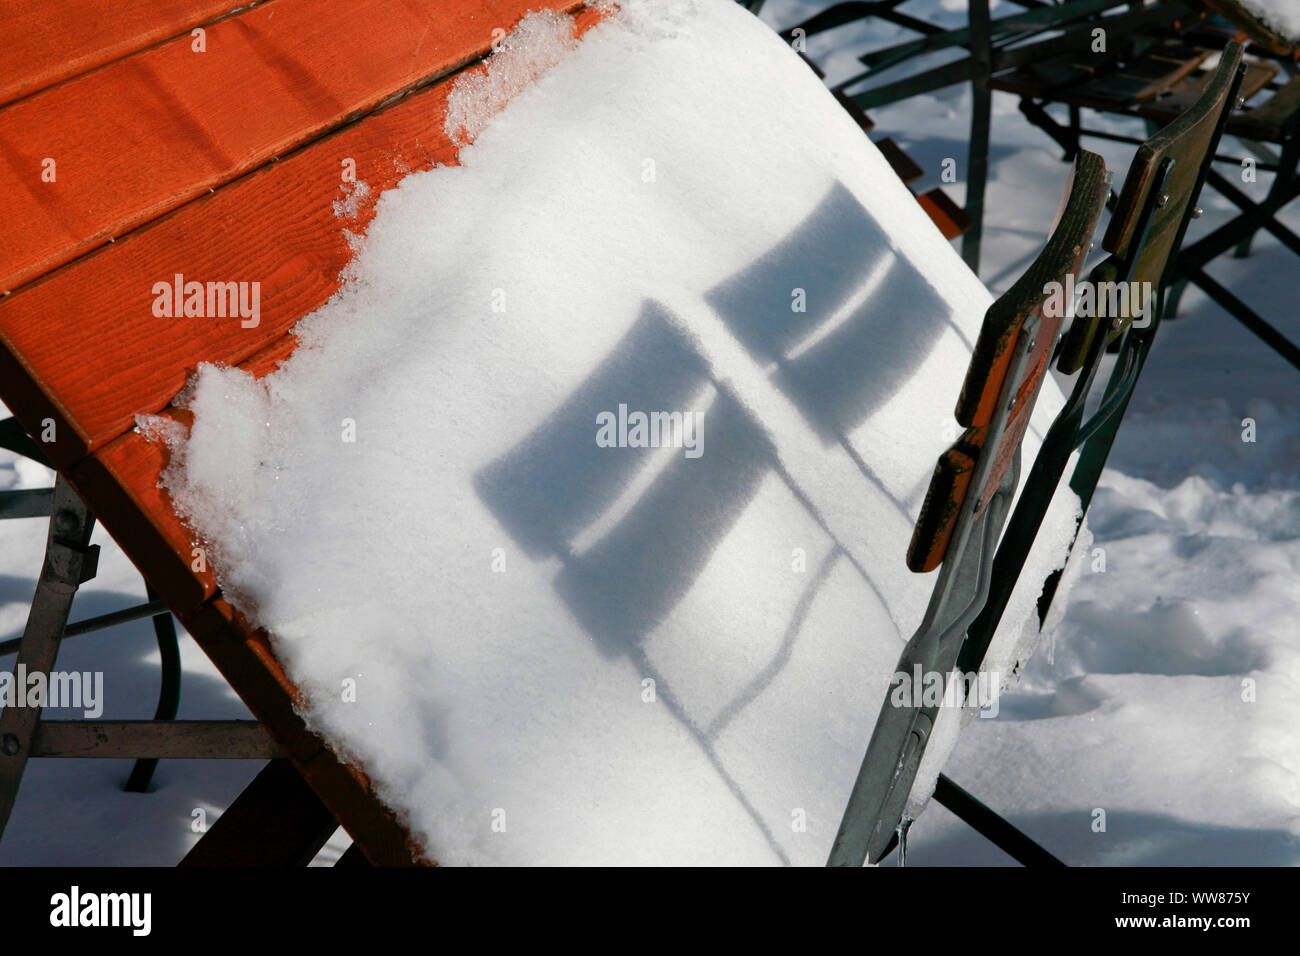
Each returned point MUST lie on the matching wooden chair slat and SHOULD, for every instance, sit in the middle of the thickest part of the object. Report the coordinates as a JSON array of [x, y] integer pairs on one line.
[[1184, 141], [944, 213], [1272, 120], [1185, 94], [988, 380], [45, 43], [903, 165], [83, 345], [146, 133]]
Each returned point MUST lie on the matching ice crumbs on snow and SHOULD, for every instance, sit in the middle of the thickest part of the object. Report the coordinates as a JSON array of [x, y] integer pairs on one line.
[[572, 651], [539, 42]]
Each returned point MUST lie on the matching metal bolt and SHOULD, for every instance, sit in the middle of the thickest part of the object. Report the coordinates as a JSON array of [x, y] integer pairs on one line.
[[1162, 200], [10, 745], [1198, 212], [1241, 101], [65, 520]]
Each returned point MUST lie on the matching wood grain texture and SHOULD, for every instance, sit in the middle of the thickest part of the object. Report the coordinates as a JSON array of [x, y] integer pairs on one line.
[[276, 227], [57, 39], [146, 133], [83, 347], [87, 336]]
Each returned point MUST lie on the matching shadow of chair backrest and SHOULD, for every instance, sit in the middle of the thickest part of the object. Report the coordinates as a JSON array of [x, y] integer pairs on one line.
[[558, 479], [560, 483], [632, 531], [846, 319]]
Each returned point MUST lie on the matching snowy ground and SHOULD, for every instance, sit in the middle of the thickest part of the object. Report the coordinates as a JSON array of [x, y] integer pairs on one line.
[[1169, 697]]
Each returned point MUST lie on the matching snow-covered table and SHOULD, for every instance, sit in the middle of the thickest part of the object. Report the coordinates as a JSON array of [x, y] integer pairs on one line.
[[486, 617]]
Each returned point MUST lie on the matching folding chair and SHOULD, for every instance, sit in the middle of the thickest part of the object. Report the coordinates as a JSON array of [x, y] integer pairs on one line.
[[991, 45], [968, 496], [1152, 74]]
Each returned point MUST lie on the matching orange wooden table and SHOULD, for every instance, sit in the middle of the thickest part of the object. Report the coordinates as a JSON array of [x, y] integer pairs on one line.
[[190, 138]]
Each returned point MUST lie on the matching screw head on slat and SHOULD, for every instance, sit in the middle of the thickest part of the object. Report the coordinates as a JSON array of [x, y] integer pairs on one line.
[[10, 745], [1162, 200]]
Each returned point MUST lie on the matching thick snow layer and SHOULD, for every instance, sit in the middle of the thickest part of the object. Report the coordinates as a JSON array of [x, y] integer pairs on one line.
[[546, 650], [1187, 771], [1282, 15]]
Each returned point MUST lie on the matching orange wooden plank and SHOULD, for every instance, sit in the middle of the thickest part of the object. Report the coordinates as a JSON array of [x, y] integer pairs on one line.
[[904, 166], [944, 213], [143, 134], [88, 338], [89, 353], [82, 345], [57, 39]]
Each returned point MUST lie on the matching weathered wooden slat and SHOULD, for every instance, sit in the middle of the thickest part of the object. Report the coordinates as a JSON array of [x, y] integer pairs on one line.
[[276, 821], [276, 227], [1272, 120], [57, 39], [146, 133], [944, 213], [159, 739], [903, 165]]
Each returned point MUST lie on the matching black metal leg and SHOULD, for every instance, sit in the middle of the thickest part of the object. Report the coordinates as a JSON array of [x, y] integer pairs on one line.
[[991, 826], [1076, 129], [169, 694], [1173, 296], [1064, 138], [981, 117]]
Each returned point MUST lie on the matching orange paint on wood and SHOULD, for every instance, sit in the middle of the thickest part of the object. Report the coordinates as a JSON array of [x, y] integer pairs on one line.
[[276, 227], [83, 345], [146, 133], [88, 336], [56, 39]]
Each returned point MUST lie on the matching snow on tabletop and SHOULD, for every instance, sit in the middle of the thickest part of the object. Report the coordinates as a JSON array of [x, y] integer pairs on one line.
[[542, 649]]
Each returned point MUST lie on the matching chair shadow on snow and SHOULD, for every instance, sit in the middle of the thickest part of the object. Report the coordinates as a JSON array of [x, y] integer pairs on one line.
[[557, 482], [870, 320]]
